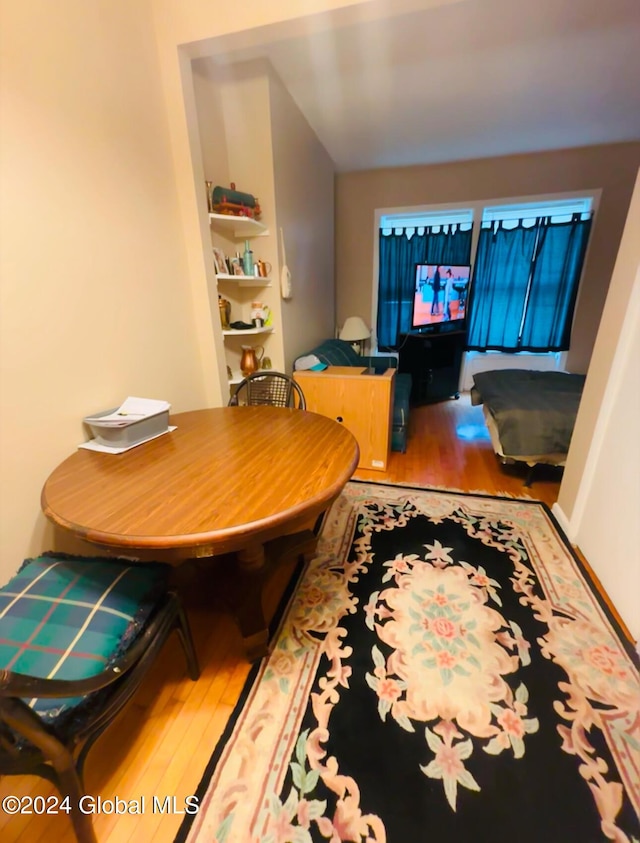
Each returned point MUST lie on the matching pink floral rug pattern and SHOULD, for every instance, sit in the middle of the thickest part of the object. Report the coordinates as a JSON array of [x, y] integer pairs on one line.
[[444, 671]]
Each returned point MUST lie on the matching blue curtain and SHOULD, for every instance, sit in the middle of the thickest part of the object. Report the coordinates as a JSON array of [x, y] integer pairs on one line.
[[450, 245], [398, 256], [524, 287], [554, 285], [499, 287]]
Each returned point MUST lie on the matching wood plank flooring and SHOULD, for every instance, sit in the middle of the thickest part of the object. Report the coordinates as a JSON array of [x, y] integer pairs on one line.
[[161, 743], [449, 446]]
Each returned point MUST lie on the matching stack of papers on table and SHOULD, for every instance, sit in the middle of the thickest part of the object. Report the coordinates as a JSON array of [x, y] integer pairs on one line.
[[131, 410], [135, 421]]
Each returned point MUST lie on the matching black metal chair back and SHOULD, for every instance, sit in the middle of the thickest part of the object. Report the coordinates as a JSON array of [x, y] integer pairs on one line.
[[274, 389]]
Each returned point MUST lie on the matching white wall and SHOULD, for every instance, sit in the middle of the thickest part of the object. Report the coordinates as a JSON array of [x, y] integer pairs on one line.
[[603, 517], [608, 529]]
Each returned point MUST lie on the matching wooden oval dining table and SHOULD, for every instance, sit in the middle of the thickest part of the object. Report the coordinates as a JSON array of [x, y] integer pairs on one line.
[[226, 480]]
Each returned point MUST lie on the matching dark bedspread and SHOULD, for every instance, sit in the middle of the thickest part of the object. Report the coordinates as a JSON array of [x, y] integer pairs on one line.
[[534, 412]]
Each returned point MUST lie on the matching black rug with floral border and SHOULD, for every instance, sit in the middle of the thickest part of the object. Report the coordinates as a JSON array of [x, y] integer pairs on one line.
[[444, 671]]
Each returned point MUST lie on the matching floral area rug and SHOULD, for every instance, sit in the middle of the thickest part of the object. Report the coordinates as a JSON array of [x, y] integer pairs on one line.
[[443, 672]]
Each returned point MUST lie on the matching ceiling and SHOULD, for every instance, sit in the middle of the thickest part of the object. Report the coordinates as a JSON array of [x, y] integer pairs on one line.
[[399, 82]]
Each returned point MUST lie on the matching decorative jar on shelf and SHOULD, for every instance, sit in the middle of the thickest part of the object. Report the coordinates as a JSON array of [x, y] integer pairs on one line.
[[225, 312], [250, 360], [247, 259]]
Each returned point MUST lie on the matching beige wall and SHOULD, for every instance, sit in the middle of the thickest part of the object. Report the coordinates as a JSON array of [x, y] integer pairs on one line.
[[304, 178], [245, 97], [599, 498], [611, 168], [198, 28], [252, 133], [205, 104], [103, 215], [95, 296], [195, 22], [209, 105]]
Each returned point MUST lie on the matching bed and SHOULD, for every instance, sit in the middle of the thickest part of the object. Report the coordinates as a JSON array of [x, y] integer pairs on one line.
[[530, 414]]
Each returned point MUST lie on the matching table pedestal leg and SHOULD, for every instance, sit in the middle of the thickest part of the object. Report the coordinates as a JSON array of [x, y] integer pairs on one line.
[[249, 611], [246, 592]]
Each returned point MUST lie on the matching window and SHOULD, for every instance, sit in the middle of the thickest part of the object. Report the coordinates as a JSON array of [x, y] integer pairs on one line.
[[561, 210], [426, 239], [435, 219], [526, 273], [527, 259]]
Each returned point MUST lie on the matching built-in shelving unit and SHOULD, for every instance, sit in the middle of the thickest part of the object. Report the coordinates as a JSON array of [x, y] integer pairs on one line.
[[239, 227], [245, 332], [241, 290], [245, 280]]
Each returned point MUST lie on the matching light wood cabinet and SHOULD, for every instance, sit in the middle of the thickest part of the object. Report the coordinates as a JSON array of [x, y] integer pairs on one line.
[[360, 400]]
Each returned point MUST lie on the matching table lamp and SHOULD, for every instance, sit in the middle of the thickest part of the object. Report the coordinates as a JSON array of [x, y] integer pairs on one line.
[[355, 331]]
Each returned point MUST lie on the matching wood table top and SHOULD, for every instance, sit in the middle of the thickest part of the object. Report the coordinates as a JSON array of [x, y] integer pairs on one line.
[[224, 478]]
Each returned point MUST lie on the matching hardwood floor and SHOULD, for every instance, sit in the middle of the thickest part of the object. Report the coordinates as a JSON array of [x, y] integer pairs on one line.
[[161, 743], [449, 445]]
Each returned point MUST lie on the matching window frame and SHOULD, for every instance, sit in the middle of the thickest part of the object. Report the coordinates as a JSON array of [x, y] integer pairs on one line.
[[477, 206]]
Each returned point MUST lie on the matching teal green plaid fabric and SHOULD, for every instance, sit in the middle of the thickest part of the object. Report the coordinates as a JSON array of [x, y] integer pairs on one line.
[[69, 617]]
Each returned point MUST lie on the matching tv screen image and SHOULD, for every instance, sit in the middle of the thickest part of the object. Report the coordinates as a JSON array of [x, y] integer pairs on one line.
[[441, 294]]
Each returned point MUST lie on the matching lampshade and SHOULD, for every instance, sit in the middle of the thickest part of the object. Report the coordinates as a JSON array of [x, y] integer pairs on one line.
[[354, 330]]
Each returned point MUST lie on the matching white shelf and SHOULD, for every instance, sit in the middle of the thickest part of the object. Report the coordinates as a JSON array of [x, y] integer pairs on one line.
[[238, 377], [241, 227], [245, 280], [247, 331]]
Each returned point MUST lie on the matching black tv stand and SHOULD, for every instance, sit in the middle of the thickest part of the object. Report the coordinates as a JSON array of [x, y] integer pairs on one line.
[[434, 361]]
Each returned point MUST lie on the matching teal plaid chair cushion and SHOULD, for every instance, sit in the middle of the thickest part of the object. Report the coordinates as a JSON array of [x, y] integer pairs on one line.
[[70, 617]]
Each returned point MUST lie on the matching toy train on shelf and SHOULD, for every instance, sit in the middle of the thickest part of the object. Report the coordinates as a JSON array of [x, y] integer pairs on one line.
[[228, 200]]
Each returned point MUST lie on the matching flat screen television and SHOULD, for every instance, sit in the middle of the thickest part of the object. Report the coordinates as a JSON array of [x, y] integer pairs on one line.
[[440, 297]]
